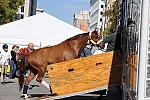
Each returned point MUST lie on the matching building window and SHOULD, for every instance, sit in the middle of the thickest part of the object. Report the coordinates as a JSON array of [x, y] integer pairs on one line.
[[101, 20], [93, 26], [102, 6], [92, 2], [32, 10], [101, 13], [21, 16], [95, 13], [22, 8]]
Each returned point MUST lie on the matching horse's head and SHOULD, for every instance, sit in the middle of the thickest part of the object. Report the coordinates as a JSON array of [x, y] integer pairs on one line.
[[96, 39]]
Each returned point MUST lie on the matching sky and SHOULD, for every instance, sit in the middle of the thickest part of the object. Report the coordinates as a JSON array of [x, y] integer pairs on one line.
[[63, 9]]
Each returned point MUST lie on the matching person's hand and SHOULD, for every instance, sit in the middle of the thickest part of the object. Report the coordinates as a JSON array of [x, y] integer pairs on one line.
[[8, 59], [102, 45]]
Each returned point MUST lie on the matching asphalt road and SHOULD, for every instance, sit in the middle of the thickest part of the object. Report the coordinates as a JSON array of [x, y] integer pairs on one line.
[[9, 91]]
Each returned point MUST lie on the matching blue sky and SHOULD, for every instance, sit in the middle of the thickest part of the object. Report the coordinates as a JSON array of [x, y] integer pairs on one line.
[[63, 9]]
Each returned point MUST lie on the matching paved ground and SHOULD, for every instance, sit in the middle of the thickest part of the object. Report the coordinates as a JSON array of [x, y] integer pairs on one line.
[[9, 91]]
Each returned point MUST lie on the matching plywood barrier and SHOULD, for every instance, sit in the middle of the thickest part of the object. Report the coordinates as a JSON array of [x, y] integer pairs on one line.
[[83, 74], [133, 69]]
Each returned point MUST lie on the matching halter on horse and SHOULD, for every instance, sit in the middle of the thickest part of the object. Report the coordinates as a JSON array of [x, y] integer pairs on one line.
[[67, 50]]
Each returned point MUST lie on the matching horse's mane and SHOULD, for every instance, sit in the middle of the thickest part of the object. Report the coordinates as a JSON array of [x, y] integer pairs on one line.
[[70, 39], [76, 36]]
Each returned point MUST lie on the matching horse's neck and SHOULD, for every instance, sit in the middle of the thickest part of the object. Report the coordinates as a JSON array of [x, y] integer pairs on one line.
[[80, 44]]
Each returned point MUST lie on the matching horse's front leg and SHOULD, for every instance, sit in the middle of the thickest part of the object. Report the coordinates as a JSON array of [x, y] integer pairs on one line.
[[46, 85], [27, 81], [40, 80]]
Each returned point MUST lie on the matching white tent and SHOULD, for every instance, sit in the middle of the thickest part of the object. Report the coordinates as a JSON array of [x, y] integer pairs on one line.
[[42, 30]]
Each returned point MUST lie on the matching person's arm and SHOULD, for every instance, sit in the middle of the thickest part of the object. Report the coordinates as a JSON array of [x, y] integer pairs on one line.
[[108, 38], [13, 55], [2, 61], [10, 56]]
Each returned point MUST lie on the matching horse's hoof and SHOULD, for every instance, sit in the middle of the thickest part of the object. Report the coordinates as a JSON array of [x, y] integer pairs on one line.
[[25, 97], [53, 94], [3, 83], [50, 89], [22, 96]]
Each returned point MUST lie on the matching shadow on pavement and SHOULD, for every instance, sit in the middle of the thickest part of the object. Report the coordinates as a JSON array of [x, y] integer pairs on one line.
[[8, 82]]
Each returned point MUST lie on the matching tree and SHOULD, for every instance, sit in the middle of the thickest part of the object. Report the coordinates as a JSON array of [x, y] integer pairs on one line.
[[8, 10], [112, 14]]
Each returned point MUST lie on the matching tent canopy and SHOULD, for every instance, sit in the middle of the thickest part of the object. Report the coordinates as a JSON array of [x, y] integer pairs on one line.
[[42, 30]]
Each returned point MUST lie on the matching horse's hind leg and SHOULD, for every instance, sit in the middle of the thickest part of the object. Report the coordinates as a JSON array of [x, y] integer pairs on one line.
[[27, 81], [39, 79]]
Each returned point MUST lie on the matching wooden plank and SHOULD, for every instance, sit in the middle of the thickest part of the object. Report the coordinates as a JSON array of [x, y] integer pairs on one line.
[[84, 74], [133, 69]]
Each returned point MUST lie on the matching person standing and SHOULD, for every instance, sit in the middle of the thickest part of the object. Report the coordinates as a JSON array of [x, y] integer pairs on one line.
[[5, 58], [30, 47], [14, 63]]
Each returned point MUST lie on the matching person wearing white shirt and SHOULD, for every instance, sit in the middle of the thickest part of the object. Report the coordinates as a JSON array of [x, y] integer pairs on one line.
[[5, 58]]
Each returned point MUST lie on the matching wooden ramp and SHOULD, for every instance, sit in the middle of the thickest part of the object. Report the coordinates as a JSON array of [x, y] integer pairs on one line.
[[83, 75]]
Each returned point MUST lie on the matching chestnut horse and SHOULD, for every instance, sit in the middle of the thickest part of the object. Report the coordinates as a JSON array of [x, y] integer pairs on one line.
[[67, 50]]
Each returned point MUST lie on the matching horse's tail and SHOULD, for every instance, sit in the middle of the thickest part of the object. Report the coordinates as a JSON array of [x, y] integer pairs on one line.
[[21, 78]]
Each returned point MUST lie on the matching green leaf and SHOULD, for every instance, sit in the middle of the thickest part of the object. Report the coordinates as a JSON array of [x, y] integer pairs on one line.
[[112, 22], [8, 10]]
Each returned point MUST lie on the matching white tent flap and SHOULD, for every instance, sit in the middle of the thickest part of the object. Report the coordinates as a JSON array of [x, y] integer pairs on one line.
[[42, 29]]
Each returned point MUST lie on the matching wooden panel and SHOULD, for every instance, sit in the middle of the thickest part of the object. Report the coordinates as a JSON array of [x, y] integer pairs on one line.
[[133, 69], [83, 74]]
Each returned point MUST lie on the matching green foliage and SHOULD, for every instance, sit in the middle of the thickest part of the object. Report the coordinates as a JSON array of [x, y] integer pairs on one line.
[[112, 14], [8, 10]]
